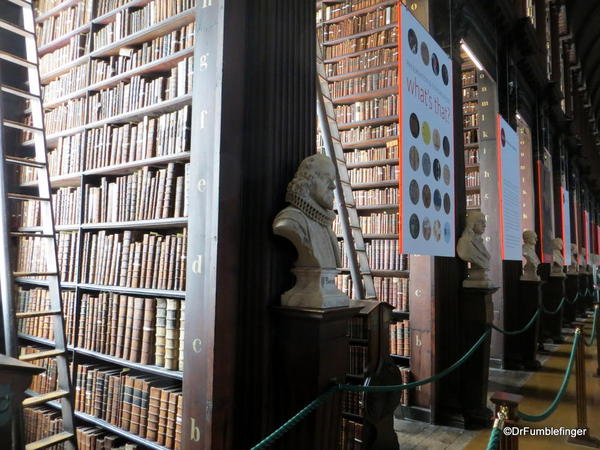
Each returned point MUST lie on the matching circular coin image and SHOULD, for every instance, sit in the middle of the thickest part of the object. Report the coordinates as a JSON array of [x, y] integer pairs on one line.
[[446, 146], [445, 74], [426, 196], [414, 226], [426, 133], [436, 139], [446, 174], [426, 164], [447, 232], [426, 228], [413, 43], [424, 53], [437, 169], [447, 203], [437, 230], [413, 156], [437, 200], [413, 192], [414, 125], [435, 64]]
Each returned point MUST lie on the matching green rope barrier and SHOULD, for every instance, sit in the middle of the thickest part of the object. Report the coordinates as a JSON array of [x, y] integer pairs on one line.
[[561, 391], [557, 309], [401, 387], [574, 300], [494, 439], [522, 330], [593, 328]]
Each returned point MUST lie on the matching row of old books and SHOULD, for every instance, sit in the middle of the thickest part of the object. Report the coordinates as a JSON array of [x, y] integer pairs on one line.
[[43, 6], [360, 134], [74, 80], [471, 156], [349, 46], [393, 290], [64, 22], [46, 381], [358, 359], [37, 299], [474, 200], [470, 107], [400, 338], [65, 206], [128, 22], [470, 120], [139, 329], [144, 405], [372, 174], [380, 223], [364, 61], [406, 378], [472, 178], [105, 6], [358, 24], [136, 93], [470, 93], [146, 194], [367, 109], [41, 422], [470, 136], [64, 55], [383, 255], [31, 254], [343, 282], [390, 151], [385, 196], [332, 11], [366, 83], [352, 403], [135, 259], [468, 77], [351, 435]]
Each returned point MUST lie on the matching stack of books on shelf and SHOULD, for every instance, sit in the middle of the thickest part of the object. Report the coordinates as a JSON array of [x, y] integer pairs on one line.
[[351, 435], [32, 299], [400, 338]]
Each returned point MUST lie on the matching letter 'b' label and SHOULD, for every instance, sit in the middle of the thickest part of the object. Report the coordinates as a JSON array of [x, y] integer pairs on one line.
[[194, 430]]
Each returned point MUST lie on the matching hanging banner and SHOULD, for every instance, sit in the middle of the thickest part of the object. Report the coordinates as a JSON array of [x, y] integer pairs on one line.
[[566, 226], [426, 172]]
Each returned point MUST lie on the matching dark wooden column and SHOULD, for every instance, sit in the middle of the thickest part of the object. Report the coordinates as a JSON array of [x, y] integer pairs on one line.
[[253, 122]]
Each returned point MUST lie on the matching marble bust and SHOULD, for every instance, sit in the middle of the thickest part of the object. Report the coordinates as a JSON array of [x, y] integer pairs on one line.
[[582, 264], [470, 248], [574, 267], [307, 224], [558, 261], [532, 261]]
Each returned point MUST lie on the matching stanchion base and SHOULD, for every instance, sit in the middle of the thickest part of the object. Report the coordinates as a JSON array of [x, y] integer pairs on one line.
[[587, 440]]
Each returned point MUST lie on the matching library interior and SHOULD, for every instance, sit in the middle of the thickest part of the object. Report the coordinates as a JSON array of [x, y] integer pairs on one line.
[[299, 224]]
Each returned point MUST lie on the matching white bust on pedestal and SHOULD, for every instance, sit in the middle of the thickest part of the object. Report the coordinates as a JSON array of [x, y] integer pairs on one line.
[[470, 248], [574, 267], [307, 224], [558, 261], [532, 261]]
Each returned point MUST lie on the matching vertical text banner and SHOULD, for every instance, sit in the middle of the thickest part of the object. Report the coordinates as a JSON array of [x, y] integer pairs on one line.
[[509, 190], [426, 170], [566, 227]]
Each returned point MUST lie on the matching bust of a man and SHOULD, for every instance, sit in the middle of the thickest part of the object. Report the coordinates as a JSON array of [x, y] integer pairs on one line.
[[574, 267], [470, 248], [558, 261], [582, 264], [307, 223], [531, 258]]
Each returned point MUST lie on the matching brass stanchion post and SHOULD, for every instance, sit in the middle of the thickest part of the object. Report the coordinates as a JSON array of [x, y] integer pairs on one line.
[[580, 390], [508, 404]]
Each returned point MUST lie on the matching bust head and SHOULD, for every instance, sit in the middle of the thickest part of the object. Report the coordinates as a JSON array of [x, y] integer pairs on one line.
[[314, 181], [573, 249], [476, 222], [557, 244], [530, 237]]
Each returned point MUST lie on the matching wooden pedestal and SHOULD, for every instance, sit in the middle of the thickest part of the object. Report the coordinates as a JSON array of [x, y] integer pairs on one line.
[[313, 354], [520, 350], [554, 291], [476, 314], [572, 287]]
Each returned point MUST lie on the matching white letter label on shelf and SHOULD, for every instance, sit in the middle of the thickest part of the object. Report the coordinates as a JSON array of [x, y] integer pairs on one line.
[[202, 185], [204, 62], [197, 345], [203, 115], [197, 264], [194, 430]]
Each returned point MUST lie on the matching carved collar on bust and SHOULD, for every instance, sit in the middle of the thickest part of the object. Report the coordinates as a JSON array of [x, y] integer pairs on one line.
[[311, 209]]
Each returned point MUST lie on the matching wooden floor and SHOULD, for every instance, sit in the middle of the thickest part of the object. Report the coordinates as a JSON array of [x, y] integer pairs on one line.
[[538, 389]]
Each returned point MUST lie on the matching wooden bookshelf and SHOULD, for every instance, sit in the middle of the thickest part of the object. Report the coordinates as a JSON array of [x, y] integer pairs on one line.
[[159, 159]]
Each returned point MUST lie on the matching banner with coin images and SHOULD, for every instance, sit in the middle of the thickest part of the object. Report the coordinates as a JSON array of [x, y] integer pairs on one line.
[[426, 140], [509, 190]]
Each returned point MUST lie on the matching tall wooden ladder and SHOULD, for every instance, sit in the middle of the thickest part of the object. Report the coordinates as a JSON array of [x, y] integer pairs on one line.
[[354, 244], [20, 94]]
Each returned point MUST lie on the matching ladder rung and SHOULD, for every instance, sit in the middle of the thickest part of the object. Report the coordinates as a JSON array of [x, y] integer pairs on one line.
[[41, 355], [35, 274], [17, 60], [15, 196], [21, 126], [44, 398], [15, 29], [19, 92], [50, 441], [25, 162], [25, 315], [30, 234]]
